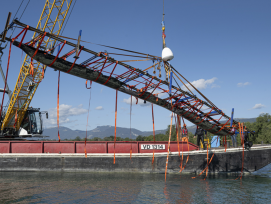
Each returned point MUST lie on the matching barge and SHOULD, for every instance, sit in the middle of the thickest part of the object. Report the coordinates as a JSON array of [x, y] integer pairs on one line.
[[69, 156]]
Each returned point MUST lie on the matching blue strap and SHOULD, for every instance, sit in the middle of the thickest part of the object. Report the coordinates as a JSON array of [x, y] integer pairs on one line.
[[170, 82]]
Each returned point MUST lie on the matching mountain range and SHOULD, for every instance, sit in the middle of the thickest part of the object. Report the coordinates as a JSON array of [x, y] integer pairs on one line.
[[106, 131]]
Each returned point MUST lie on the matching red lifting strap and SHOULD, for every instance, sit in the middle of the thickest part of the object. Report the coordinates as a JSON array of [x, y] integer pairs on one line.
[[111, 73], [16, 118], [198, 110], [75, 59], [222, 126], [153, 90], [128, 75], [153, 132], [37, 49], [146, 87], [125, 73], [215, 123], [205, 116], [116, 110], [101, 69], [25, 29], [31, 63], [193, 107], [176, 102], [57, 54], [206, 167]]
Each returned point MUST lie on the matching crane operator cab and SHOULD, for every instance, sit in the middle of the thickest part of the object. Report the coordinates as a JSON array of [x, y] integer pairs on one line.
[[32, 122]]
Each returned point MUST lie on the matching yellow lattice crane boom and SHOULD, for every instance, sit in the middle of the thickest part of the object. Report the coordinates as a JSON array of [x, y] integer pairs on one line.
[[51, 21]]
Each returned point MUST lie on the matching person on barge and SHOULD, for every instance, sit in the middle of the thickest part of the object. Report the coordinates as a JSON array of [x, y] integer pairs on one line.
[[184, 134], [200, 137], [233, 138]]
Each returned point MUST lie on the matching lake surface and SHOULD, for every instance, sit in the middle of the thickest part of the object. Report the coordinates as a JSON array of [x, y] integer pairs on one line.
[[48, 187]]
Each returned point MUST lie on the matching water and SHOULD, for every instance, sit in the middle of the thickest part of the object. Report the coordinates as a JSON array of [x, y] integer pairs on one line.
[[48, 187]]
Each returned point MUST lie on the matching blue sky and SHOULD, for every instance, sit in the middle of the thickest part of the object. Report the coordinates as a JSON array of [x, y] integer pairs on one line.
[[224, 47]]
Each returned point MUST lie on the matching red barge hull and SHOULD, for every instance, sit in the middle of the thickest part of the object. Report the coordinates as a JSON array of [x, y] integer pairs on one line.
[[101, 147]]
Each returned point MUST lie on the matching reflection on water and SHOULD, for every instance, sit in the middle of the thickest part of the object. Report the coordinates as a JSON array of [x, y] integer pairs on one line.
[[45, 187]]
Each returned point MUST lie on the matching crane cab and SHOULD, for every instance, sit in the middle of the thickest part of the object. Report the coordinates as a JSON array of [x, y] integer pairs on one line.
[[32, 122]]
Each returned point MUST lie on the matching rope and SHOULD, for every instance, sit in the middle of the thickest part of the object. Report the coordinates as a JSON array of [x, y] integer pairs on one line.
[[169, 137], [153, 129], [131, 150], [57, 54], [58, 106], [85, 149], [243, 152], [116, 110], [206, 167]]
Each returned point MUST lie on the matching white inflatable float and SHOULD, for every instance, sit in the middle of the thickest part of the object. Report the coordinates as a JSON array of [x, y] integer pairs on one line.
[[167, 54]]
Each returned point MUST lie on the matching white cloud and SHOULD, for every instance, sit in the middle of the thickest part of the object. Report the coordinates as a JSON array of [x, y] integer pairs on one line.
[[258, 106], [140, 101], [243, 84], [102, 90], [201, 84], [65, 112], [99, 108]]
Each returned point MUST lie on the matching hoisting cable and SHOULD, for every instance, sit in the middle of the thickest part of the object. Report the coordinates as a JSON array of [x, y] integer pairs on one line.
[[140, 53], [6, 79], [18, 9], [182, 83], [195, 88], [85, 148], [68, 17], [116, 106], [24, 10], [169, 137], [16, 15], [163, 26], [58, 106]]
